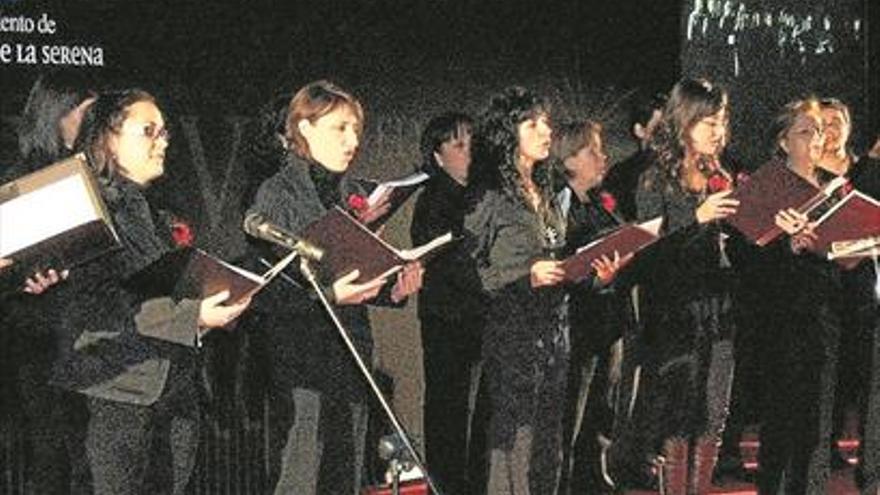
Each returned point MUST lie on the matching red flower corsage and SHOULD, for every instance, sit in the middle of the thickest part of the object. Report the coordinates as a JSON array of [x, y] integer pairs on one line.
[[717, 183], [357, 202], [181, 233], [609, 202]]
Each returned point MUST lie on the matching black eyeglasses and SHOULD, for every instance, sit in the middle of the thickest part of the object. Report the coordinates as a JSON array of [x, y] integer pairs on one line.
[[148, 130]]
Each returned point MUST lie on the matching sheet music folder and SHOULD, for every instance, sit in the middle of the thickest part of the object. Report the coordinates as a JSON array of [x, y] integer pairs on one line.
[[626, 239], [398, 190], [55, 217], [856, 216], [770, 189], [193, 273], [349, 245]]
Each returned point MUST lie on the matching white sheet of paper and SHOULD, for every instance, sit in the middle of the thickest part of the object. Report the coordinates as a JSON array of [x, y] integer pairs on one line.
[[41, 214]]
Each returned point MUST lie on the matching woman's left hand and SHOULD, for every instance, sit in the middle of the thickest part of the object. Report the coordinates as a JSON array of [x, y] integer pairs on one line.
[[791, 221], [41, 281], [376, 211], [607, 268], [409, 281], [805, 239]]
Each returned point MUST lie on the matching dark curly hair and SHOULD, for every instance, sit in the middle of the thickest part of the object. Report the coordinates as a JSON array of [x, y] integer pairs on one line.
[[690, 101], [496, 143]]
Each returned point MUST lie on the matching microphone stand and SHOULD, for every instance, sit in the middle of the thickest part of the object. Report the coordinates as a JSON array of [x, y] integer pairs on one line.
[[310, 275]]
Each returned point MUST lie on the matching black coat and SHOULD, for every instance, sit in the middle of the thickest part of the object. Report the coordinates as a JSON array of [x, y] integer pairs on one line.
[[115, 342], [304, 347]]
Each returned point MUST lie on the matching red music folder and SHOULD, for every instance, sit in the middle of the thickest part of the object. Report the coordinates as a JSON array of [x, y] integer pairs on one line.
[[349, 245], [770, 189], [856, 216], [627, 239]]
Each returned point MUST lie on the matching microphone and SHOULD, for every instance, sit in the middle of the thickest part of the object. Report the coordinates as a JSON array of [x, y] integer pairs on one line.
[[257, 226]]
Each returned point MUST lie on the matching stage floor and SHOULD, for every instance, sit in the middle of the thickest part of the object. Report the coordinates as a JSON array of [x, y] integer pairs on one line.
[[842, 483]]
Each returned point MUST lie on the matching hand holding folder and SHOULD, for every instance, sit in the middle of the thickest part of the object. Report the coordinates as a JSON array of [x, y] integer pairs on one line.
[[348, 245], [774, 188], [626, 240], [193, 273]]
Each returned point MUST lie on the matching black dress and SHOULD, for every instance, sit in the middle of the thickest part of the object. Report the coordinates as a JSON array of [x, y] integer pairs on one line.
[[450, 309], [525, 344], [318, 399], [687, 332]]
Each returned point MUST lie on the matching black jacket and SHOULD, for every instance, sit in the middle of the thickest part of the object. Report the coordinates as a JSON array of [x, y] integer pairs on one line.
[[450, 287], [115, 342]]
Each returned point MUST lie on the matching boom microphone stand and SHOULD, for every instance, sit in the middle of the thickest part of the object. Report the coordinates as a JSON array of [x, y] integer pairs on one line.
[[310, 275]]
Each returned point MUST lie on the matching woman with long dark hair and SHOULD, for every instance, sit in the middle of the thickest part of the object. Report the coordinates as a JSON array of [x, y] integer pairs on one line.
[[686, 305], [516, 232], [318, 399], [132, 353]]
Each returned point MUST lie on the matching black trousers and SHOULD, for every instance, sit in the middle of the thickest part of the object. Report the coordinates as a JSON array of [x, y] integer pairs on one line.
[[796, 432], [526, 373], [121, 437], [56, 422], [454, 429], [868, 474]]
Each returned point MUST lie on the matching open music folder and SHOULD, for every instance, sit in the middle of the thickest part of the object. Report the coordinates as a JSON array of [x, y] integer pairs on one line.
[[625, 240], [193, 273], [854, 218], [54, 218], [770, 189], [349, 245], [398, 191]]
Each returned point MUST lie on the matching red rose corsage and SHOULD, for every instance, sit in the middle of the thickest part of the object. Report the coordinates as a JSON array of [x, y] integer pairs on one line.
[[357, 203], [718, 182], [609, 202], [181, 233]]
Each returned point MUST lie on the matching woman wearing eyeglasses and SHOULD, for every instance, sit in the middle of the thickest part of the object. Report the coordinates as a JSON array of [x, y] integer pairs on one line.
[[132, 354], [803, 320]]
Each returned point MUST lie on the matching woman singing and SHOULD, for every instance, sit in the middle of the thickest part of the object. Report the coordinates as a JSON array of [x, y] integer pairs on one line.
[[686, 308], [516, 232], [132, 355], [318, 398]]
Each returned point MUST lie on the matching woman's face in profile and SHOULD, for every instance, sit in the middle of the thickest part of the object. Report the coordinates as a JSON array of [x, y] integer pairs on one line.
[[140, 142], [534, 138], [590, 163], [333, 138]]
